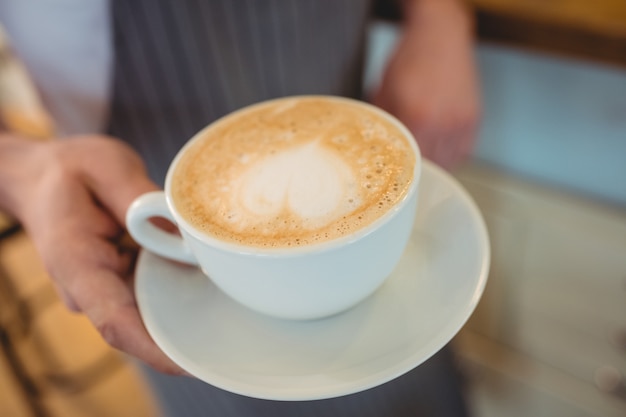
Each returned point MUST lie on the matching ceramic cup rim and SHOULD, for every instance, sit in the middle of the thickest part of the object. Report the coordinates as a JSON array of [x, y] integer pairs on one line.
[[307, 249]]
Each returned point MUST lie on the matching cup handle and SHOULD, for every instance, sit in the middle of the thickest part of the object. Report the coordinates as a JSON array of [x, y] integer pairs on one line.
[[149, 236]]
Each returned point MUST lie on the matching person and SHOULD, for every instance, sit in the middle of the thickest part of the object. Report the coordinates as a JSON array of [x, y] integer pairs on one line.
[[171, 68]]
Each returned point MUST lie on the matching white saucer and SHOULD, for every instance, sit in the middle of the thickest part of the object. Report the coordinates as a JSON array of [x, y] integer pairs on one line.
[[425, 302]]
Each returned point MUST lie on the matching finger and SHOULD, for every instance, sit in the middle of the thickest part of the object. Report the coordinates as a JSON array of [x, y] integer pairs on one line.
[[87, 271], [445, 147], [122, 328], [446, 152], [126, 270], [117, 176], [454, 149], [427, 143], [66, 298], [126, 264], [118, 199], [110, 306]]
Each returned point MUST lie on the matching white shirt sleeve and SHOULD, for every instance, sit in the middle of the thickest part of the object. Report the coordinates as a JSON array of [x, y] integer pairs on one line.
[[67, 48]]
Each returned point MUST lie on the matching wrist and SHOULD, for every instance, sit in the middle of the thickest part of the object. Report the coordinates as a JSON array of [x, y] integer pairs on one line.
[[451, 12], [15, 152]]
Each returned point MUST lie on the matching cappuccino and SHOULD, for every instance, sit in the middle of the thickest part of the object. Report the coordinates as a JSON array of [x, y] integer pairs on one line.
[[293, 172]]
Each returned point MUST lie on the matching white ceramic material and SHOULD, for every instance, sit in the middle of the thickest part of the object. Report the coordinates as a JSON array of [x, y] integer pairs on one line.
[[422, 305], [297, 283]]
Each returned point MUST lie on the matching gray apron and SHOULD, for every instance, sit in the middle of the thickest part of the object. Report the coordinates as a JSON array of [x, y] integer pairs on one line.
[[180, 64]]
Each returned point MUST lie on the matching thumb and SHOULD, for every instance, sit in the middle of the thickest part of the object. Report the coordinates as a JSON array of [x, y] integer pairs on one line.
[[117, 176]]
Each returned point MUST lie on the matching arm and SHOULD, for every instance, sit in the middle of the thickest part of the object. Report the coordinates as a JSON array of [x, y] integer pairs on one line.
[[71, 197], [431, 81]]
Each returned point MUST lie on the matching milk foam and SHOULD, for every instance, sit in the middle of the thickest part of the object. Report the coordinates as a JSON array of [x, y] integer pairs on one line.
[[293, 172], [307, 182]]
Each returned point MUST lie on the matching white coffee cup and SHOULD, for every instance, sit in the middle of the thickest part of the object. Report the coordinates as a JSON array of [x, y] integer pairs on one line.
[[300, 282]]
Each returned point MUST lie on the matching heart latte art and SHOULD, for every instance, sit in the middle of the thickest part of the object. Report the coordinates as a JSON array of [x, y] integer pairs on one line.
[[307, 182], [294, 171]]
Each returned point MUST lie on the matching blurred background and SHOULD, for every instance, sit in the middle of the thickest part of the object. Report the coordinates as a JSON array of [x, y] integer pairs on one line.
[[549, 174]]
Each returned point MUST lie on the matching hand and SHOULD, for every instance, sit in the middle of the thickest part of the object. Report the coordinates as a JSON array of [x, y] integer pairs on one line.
[[71, 196], [431, 82]]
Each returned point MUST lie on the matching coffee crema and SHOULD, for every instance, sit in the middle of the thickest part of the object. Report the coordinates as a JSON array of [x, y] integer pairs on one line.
[[293, 172]]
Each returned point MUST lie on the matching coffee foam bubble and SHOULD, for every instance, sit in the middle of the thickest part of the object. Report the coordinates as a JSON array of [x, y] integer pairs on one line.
[[293, 172]]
